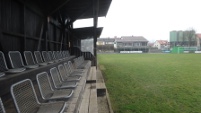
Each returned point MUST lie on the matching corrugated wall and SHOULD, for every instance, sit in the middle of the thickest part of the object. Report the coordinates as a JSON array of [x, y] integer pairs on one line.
[[20, 28]]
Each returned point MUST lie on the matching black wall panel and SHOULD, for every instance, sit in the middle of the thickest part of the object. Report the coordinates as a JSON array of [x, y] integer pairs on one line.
[[33, 23]]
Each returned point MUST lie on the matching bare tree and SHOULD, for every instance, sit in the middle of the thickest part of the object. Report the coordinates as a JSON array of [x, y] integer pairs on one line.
[[190, 34]]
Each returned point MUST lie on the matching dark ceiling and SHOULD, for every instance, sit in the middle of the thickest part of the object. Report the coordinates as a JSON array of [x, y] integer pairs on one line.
[[87, 32], [73, 10]]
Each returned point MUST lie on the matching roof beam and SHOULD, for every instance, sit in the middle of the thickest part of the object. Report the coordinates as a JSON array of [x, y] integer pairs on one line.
[[61, 4], [83, 12]]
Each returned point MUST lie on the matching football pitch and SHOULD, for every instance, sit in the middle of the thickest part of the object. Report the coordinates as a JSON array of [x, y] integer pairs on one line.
[[153, 83]]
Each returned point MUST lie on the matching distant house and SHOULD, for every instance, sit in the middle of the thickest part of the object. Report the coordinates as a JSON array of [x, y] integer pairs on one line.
[[131, 43], [150, 44], [105, 41], [161, 44], [105, 44], [198, 36]]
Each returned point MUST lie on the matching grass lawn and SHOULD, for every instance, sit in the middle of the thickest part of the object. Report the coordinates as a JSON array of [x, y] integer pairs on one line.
[[153, 83]]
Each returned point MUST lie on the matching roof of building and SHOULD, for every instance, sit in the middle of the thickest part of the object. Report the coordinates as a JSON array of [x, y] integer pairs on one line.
[[131, 39], [106, 39], [150, 44], [162, 42], [198, 35]]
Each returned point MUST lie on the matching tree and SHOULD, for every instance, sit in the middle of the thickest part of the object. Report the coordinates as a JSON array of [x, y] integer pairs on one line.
[[190, 35]]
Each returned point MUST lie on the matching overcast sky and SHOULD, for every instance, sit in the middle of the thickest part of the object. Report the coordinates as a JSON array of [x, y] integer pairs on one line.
[[153, 19]]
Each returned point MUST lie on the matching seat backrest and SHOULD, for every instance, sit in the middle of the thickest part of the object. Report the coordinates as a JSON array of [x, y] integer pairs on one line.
[[64, 54], [15, 59], [51, 55], [38, 57], [68, 71], [76, 62], [45, 56], [3, 65], [44, 85], [64, 74], [59, 54], [29, 58], [81, 59], [71, 67], [55, 55], [2, 109], [24, 97], [55, 77], [68, 54]]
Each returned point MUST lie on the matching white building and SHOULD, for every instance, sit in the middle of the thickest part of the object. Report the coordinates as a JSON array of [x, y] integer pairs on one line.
[[161, 44]]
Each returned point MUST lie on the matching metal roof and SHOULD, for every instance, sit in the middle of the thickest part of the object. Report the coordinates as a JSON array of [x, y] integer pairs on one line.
[[131, 39], [106, 39], [82, 9], [84, 33], [73, 9]]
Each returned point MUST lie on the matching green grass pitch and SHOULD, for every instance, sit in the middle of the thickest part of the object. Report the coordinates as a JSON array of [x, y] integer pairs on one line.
[[153, 83]]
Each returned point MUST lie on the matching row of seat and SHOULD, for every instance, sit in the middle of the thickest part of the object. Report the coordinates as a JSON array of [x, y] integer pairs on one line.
[[2, 110], [17, 63], [57, 91]]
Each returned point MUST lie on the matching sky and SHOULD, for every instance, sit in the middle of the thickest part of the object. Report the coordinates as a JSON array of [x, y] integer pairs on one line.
[[153, 19]]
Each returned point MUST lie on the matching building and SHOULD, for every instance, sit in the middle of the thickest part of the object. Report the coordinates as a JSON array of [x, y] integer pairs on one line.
[[198, 37], [105, 41], [161, 44], [105, 44], [131, 43]]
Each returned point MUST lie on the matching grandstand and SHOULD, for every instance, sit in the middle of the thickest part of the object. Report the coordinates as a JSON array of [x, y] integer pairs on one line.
[[37, 36]]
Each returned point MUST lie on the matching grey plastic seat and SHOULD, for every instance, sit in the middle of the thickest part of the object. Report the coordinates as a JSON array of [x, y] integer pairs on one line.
[[47, 91], [67, 67], [16, 60], [58, 84], [2, 109], [65, 75], [76, 63], [26, 101], [29, 59], [82, 64], [73, 70], [55, 55], [46, 57], [3, 65], [67, 52], [4, 69], [52, 56], [59, 55], [39, 59], [64, 54]]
